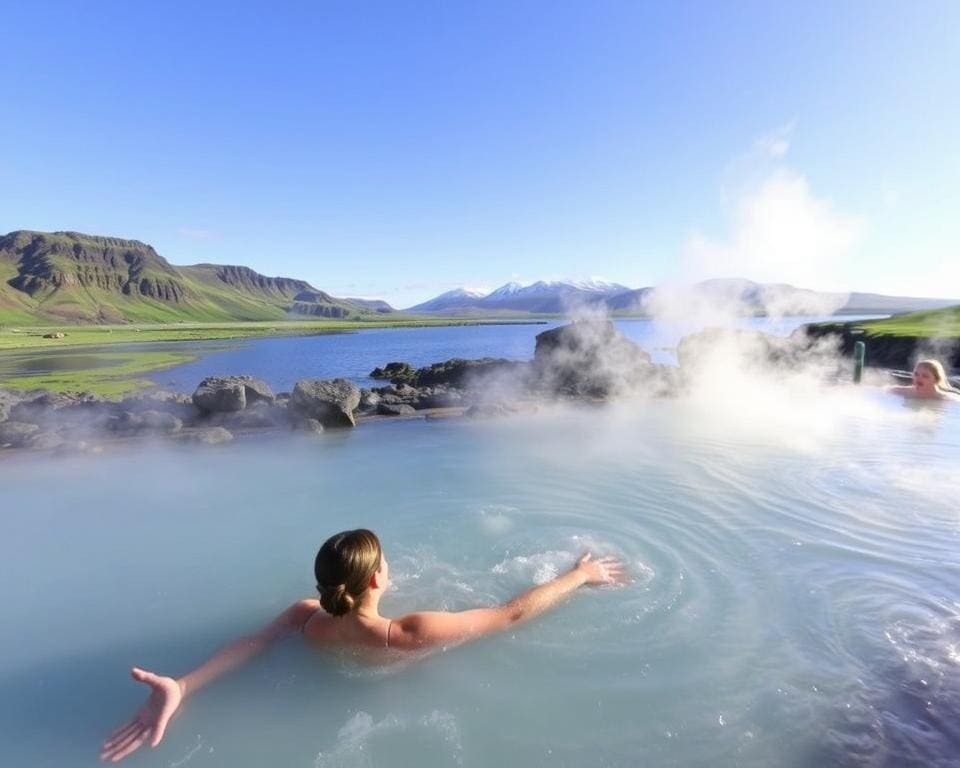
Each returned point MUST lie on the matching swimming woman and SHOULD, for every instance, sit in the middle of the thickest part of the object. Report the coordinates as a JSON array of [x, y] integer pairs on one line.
[[929, 383], [352, 574]]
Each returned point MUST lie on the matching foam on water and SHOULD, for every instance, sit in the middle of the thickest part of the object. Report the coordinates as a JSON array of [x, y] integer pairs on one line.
[[362, 741]]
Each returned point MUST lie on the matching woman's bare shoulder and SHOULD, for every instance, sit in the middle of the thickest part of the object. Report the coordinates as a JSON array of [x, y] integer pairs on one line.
[[318, 626]]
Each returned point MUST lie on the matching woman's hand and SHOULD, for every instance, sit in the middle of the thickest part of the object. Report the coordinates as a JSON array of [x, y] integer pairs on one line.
[[150, 722], [605, 570]]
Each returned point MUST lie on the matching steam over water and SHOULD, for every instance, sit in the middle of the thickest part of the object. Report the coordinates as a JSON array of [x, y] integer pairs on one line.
[[796, 594]]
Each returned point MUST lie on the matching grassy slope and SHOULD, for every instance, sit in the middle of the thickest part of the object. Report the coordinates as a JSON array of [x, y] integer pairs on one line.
[[207, 299], [937, 323]]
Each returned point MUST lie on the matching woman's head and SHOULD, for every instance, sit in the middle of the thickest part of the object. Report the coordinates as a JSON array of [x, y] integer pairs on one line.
[[346, 567], [928, 376]]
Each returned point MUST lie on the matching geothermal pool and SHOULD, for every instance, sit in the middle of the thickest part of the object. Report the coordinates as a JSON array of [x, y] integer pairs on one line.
[[795, 602]]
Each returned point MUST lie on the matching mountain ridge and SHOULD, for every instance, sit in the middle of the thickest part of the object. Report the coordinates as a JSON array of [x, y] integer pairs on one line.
[[735, 294], [74, 277]]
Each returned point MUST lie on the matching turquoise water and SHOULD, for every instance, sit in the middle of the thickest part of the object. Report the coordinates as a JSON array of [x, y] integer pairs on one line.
[[796, 593]]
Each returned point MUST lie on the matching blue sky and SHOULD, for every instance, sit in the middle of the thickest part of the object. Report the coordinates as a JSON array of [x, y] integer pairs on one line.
[[397, 150]]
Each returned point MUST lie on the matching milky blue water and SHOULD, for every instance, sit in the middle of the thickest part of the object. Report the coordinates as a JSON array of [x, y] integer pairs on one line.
[[796, 593]]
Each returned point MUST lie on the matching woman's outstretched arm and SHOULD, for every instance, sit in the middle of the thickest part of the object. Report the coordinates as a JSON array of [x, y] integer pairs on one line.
[[167, 693], [426, 628]]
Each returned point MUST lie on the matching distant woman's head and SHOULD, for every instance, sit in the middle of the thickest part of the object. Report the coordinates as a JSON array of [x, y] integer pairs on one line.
[[929, 377], [347, 566]]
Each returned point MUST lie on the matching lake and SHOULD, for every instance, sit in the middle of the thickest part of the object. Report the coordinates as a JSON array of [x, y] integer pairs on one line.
[[281, 361]]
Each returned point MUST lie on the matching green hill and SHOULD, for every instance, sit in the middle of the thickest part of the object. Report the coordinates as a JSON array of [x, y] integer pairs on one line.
[[937, 323], [75, 278]]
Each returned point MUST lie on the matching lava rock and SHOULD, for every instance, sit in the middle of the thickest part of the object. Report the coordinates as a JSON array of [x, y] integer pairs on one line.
[[389, 409], [260, 416], [8, 400], [16, 434], [395, 372], [329, 401], [207, 436], [590, 358], [220, 394], [369, 400], [304, 424], [487, 411], [464, 374], [175, 403], [160, 422], [439, 398]]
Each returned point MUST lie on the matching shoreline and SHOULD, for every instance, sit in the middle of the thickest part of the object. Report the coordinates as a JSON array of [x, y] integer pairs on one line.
[[121, 379], [583, 362]]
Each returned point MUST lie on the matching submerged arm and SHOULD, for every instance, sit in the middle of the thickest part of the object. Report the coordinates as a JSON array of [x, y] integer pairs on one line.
[[167, 694], [427, 628]]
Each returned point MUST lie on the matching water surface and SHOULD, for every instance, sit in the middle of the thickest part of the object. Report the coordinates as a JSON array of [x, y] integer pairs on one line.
[[796, 594], [280, 361]]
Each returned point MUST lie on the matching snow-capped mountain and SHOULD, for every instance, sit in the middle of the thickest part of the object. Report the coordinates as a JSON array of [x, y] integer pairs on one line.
[[539, 297], [733, 294], [451, 301]]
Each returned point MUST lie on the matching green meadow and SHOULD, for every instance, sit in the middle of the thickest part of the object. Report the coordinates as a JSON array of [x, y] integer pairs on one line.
[[938, 323], [113, 373]]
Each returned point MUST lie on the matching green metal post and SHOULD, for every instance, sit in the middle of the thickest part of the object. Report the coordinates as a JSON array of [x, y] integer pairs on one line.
[[859, 357]]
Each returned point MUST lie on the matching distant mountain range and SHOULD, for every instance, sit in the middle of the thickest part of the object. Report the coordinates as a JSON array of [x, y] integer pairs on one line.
[[57, 277], [734, 294], [540, 297]]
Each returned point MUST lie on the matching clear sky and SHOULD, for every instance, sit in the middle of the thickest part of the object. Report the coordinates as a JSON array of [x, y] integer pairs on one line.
[[399, 149]]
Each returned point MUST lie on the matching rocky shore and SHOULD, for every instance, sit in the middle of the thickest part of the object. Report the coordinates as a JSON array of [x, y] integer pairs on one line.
[[887, 350], [584, 361]]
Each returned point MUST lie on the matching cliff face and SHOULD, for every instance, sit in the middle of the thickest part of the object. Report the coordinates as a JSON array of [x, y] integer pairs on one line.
[[246, 279], [46, 263], [86, 278]]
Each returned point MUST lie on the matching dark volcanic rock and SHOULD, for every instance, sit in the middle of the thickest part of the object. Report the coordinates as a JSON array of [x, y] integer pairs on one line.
[[885, 350], [329, 401], [465, 374], [16, 434], [369, 400], [207, 436], [218, 394], [396, 372], [439, 397], [175, 403], [487, 411], [160, 422], [260, 416], [53, 410], [305, 424], [155, 422], [590, 358], [388, 409], [8, 399]]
